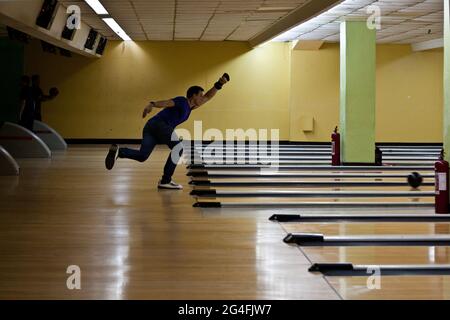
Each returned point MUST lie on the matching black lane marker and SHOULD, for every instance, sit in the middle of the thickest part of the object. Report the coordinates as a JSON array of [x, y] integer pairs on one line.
[[348, 269], [305, 183], [307, 218], [320, 240], [309, 204], [211, 193]]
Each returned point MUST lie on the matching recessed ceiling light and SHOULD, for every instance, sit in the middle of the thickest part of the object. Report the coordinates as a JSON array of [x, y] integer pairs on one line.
[[97, 6], [116, 28]]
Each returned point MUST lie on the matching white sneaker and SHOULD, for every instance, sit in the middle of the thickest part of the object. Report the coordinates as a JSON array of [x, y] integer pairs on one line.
[[171, 185]]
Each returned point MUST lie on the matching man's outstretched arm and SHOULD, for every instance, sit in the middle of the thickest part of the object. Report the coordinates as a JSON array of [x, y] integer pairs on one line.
[[45, 98], [212, 92], [157, 104]]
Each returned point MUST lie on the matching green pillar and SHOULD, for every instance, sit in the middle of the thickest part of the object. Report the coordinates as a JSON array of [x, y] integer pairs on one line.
[[11, 66], [447, 79], [358, 89]]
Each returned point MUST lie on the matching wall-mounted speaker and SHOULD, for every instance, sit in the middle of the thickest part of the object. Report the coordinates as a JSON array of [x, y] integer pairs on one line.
[[47, 14], [47, 47], [101, 46], [17, 35], [65, 53], [67, 33], [90, 41]]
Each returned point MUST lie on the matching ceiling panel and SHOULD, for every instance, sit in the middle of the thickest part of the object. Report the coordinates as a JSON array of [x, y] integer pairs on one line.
[[208, 20], [403, 21]]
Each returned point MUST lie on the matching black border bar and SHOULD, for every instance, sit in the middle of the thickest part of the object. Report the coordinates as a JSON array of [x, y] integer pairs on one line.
[[351, 270], [320, 240], [301, 218]]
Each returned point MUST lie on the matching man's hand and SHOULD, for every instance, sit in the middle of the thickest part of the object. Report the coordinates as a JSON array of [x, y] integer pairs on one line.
[[222, 80], [212, 92], [147, 110]]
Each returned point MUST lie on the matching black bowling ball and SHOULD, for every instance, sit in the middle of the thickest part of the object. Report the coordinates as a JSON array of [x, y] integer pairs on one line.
[[54, 92], [415, 180]]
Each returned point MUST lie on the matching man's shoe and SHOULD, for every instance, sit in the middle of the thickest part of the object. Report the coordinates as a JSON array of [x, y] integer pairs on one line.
[[171, 185], [111, 157]]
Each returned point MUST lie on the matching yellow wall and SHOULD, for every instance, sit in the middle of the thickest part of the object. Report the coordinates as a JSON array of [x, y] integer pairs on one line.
[[104, 98], [409, 93], [271, 87], [314, 92]]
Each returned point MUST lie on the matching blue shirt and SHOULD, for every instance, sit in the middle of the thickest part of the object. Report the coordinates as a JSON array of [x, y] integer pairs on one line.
[[173, 116]]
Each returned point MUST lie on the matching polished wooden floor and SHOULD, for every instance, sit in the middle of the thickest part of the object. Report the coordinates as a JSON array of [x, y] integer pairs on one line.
[[132, 241]]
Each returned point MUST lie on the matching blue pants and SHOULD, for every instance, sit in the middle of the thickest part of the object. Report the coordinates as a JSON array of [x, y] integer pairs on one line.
[[155, 132]]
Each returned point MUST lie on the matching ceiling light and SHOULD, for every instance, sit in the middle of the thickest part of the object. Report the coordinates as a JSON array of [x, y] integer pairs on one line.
[[97, 6], [295, 32], [116, 28]]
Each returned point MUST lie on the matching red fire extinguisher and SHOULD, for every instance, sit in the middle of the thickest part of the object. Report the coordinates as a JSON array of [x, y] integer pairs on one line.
[[441, 169], [336, 148]]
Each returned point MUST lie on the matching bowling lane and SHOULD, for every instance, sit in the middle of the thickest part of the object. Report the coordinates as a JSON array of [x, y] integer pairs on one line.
[[382, 191], [388, 255], [272, 162], [268, 158], [393, 288], [376, 255], [220, 174], [366, 183], [348, 228], [296, 169], [277, 203]]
